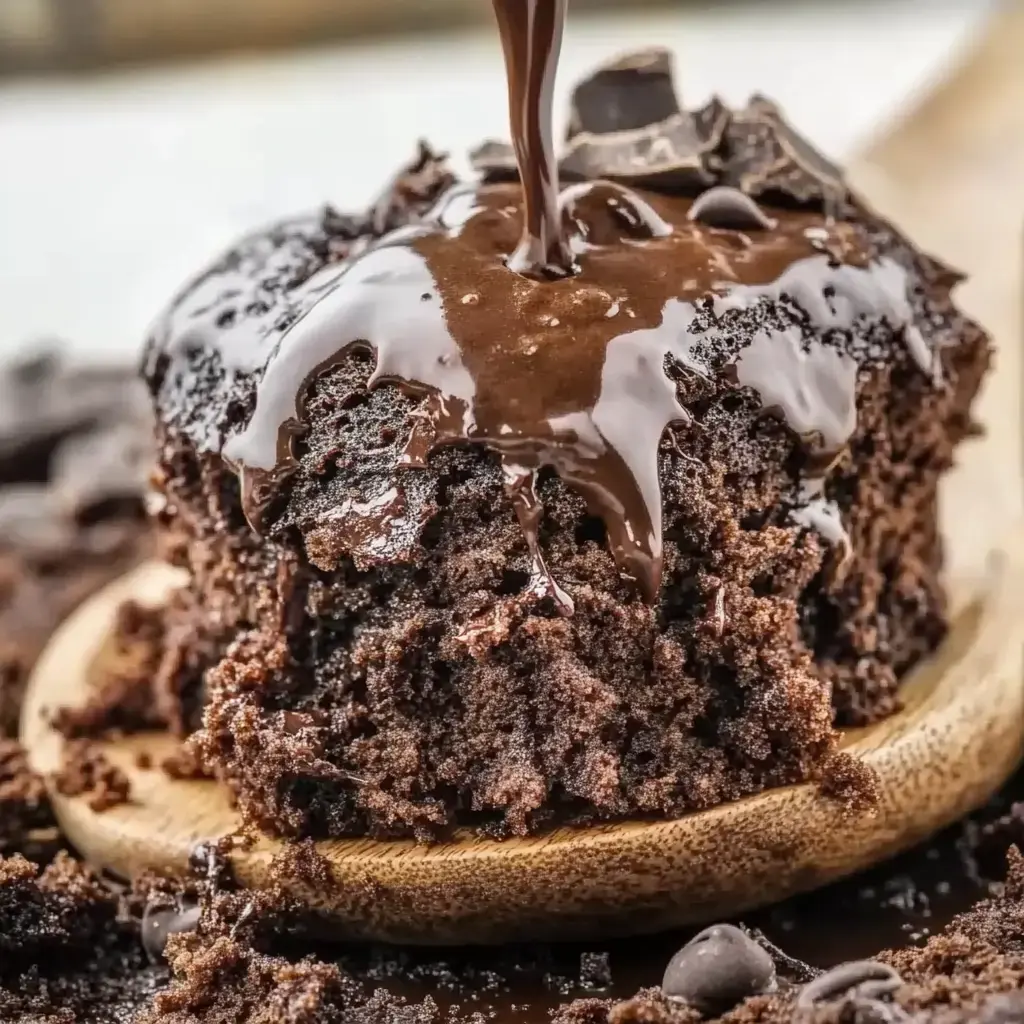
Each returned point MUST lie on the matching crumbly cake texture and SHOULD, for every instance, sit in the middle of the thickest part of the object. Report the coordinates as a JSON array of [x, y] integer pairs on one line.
[[345, 693], [76, 948]]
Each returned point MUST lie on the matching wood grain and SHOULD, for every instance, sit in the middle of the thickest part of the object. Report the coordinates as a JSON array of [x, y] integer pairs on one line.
[[952, 174]]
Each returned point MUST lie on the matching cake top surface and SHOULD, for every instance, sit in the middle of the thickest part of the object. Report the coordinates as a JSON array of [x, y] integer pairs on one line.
[[712, 244]]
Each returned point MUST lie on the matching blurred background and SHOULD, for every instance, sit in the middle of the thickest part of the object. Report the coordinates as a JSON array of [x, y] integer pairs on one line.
[[138, 136]]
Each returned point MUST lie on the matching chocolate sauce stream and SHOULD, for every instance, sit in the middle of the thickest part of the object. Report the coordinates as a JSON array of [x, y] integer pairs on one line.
[[531, 37], [571, 373]]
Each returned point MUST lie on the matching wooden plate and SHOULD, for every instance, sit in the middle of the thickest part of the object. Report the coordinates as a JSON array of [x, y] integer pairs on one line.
[[959, 736]]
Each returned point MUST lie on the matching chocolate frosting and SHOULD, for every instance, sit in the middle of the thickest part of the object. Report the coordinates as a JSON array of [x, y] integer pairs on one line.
[[579, 373]]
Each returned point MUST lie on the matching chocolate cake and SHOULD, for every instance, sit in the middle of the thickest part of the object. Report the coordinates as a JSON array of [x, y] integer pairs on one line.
[[79, 948], [504, 508]]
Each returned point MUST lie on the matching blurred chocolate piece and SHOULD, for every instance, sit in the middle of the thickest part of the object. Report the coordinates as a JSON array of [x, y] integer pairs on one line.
[[725, 207], [412, 191], [160, 922], [767, 157], [24, 804], [494, 161], [44, 399], [634, 91], [75, 444], [626, 124], [106, 466], [32, 521]]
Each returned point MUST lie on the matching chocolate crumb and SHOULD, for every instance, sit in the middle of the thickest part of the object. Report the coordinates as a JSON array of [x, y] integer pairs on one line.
[[595, 971], [86, 772], [850, 782], [24, 805]]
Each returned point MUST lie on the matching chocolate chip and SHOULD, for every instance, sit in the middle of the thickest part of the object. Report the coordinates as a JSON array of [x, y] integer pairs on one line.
[[678, 153], [725, 207], [718, 969], [868, 979], [632, 92], [159, 922], [766, 156]]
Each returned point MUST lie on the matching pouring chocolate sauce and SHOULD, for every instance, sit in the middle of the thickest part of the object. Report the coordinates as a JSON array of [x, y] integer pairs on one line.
[[531, 36], [551, 325]]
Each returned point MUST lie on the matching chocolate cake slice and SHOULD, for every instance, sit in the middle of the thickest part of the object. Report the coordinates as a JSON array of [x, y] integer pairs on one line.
[[470, 547]]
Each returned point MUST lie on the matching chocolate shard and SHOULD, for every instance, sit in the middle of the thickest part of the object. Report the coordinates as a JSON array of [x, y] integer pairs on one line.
[[677, 154], [633, 91], [727, 207], [412, 191], [494, 161], [766, 156]]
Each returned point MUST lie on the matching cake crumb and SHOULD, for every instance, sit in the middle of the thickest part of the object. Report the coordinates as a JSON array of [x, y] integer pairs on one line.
[[24, 805], [851, 782], [87, 772]]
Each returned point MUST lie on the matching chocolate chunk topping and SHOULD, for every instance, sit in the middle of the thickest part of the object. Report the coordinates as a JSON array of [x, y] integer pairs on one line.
[[632, 92], [32, 521], [724, 207], [717, 969], [678, 154], [868, 979], [44, 400], [626, 124], [494, 161], [766, 157]]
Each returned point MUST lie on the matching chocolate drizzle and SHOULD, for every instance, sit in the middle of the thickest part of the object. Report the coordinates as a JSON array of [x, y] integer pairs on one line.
[[571, 373], [464, 311], [531, 37]]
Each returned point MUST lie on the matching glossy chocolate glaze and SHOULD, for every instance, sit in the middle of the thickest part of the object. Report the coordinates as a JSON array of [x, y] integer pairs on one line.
[[556, 326], [577, 373]]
